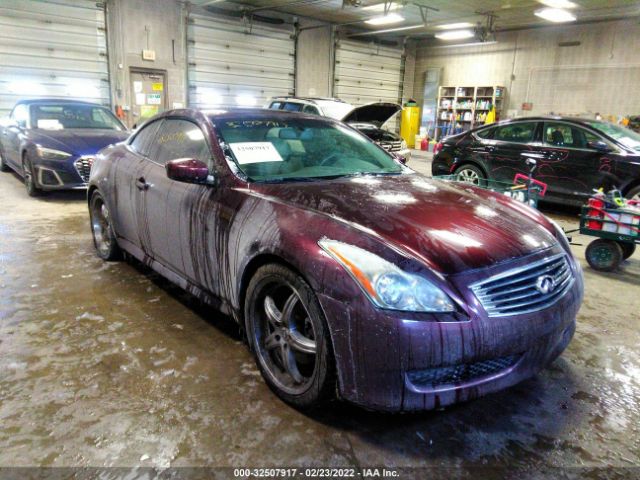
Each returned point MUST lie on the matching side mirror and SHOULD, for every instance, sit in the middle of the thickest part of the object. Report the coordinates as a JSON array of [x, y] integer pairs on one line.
[[188, 170], [598, 145], [400, 158]]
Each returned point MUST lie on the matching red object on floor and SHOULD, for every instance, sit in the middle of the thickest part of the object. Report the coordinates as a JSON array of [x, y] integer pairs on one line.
[[424, 144]]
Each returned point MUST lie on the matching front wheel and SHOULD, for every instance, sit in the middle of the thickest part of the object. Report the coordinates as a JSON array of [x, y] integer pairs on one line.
[[470, 174], [604, 255], [29, 176], [104, 238], [3, 163], [289, 337], [627, 249]]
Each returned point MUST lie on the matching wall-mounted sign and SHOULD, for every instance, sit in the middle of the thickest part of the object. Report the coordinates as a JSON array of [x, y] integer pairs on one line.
[[157, 87], [527, 106], [149, 55], [154, 99]]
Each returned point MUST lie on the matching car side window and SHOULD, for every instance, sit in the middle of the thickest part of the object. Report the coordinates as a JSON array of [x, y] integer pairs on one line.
[[20, 115], [559, 134], [485, 133], [275, 106], [292, 107], [179, 138], [310, 109], [521, 132], [144, 138]]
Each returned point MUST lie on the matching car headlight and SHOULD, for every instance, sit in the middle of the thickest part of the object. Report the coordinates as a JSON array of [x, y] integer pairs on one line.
[[51, 154], [386, 285], [560, 235]]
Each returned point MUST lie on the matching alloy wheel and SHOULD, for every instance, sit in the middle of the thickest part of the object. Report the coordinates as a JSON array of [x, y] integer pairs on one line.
[[285, 338], [468, 175], [101, 226]]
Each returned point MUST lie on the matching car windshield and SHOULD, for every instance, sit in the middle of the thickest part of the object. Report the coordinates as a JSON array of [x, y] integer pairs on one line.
[[273, 149], [627, 137], [65, 116]]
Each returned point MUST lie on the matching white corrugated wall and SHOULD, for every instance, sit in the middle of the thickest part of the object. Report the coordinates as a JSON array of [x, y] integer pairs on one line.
[[52, 48]]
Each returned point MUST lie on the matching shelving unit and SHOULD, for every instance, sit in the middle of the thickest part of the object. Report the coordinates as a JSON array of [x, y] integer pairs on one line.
[[463, 108]]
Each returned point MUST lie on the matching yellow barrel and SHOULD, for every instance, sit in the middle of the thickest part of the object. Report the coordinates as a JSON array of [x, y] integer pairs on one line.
[[410, 124]]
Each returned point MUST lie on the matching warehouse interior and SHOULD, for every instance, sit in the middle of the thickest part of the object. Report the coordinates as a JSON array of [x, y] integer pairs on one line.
[[108, 368]]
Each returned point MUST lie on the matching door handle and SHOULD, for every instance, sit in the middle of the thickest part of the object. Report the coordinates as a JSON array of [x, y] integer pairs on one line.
[[142, 185]]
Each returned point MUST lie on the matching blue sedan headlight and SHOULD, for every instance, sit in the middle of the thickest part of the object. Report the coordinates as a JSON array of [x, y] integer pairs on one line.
[[51, 154]]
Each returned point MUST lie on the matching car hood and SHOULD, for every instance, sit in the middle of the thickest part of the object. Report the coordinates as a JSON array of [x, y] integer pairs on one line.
[[78, 141], [374, 113], [450, 228]]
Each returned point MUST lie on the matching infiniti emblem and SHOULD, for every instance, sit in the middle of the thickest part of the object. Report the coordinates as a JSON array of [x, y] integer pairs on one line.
[[545, 284]]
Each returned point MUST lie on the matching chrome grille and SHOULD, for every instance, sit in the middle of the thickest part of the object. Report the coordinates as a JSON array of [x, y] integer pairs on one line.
[[526, 289], [391, 146], [83, 166], [456, 374]]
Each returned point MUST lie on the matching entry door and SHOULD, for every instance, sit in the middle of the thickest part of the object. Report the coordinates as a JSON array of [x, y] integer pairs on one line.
[[509, 149], [571, 166], [148, 95], [163, 205]]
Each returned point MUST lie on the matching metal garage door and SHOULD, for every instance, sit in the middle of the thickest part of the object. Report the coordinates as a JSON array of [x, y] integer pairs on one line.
[[367, 73], [52, 48], [233, 64]]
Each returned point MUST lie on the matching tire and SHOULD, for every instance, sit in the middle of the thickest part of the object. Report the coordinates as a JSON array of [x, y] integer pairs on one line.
[[3, 164], [289, 337], [627, 249], [634, 193], [469, 173], [104, 238], [29, 177], [604, 255]]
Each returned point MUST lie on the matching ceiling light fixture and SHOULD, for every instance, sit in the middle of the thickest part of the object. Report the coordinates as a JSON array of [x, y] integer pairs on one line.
[[380, 7], [558, 3], [388, 30], [455, 34], [385, 19], [455, 26], [555, 15]]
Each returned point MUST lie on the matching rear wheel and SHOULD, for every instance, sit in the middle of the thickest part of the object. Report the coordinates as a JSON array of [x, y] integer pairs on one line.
[[104, 238], [29, 176], [289, 337], [604, 255], [627, 249], [470, 174]]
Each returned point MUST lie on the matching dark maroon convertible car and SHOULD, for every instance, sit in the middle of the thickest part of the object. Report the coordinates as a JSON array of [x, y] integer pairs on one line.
[[352, 275]]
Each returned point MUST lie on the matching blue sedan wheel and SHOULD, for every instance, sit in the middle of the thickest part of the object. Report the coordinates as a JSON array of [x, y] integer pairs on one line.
[[28, 173]]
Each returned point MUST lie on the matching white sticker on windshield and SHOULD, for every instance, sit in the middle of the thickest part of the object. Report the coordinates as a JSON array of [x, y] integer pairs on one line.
[[50, 124], [255, 152]]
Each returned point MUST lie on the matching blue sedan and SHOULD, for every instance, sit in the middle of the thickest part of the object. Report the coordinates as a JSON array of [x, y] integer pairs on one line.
[[51, 143]]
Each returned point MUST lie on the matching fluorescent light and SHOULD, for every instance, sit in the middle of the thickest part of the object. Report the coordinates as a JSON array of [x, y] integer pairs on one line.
[[387, 30], [455, 35], [555, 15], [558, 3], [452, 26], [379, 7], [385, 19]]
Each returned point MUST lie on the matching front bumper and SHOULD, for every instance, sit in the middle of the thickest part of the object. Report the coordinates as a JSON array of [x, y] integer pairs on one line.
[[388, 360], [58, 175]]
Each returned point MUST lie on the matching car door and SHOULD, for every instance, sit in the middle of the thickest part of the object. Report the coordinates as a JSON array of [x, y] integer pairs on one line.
[[161, 199], [509, 148], [572, 167], [128, 170]]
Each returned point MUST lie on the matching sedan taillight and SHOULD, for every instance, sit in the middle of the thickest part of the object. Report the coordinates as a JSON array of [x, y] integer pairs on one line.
[[437, 148]]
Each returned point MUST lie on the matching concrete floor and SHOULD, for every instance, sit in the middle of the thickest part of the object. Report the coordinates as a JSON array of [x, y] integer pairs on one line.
[[107, 364]]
